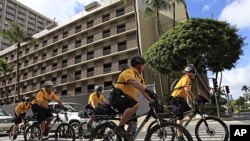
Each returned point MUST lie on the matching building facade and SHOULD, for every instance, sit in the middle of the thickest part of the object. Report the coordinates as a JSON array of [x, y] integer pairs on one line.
[[13, 11], [89, 49]]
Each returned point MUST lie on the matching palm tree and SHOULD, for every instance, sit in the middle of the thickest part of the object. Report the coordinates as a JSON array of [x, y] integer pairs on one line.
[[154, 7], [5, 68], [173, 5], [246, 89], [16, 35]]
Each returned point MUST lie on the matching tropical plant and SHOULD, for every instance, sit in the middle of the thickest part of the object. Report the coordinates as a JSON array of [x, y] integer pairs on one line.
[[5, 68], [16, 35], [246, 89]]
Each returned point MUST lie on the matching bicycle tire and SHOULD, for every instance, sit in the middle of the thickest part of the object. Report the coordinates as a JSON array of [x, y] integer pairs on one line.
[[99, 132], [65, 132], [155, 123], [167, 135], [216, 121], [32, 133], [84, 131]]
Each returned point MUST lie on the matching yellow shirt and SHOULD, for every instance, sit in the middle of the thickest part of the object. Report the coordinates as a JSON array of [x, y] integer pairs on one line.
[[43, 96], [127, 75], [22, 108], [93, 97], [185, 81]]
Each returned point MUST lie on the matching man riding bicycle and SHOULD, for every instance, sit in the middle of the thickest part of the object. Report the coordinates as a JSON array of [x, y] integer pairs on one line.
[[20, 113], [182, 93], [129, 82], [95, 100], [41, 109]]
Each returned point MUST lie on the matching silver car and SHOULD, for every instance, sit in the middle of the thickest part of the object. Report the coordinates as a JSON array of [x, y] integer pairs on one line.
[[5, 121]]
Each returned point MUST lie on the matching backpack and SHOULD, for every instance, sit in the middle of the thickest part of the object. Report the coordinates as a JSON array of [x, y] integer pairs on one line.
[[172, 87]]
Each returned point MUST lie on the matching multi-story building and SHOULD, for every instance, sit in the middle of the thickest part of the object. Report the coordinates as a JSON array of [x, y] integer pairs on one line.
[[89, 49], [13, 11]]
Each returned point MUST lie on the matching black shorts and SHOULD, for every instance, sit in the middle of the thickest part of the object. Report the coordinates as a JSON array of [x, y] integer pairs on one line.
[[124, 102], [184, 107], [18, 118], [41, 113]]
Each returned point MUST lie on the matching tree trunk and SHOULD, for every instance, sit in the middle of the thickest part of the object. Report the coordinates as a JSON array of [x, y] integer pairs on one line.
[[6, 91], [17, 86], [158, 22], [137, 26], [173, 3]]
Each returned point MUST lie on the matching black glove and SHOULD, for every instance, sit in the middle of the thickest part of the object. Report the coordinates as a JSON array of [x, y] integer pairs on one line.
[[151, 94]]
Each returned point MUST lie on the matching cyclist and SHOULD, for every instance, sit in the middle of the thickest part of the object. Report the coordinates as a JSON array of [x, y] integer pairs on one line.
[[94, 101], [41, 109], [20, 113], [129, 82], [182, 93]]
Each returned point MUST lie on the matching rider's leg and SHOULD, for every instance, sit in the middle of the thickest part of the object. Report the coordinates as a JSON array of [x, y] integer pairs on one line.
[[47, 125], [128, 113]]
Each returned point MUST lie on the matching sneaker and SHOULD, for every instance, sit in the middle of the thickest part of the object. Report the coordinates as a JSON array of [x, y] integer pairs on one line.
[[121, 132], [180, 138]]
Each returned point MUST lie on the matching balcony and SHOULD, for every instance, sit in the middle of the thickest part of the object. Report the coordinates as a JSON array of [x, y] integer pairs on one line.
[[107, 70], [90, 74]]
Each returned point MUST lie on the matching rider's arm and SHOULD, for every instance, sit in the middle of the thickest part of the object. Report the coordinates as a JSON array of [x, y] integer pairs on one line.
[[190, 93], [140, 87], [59, 101]]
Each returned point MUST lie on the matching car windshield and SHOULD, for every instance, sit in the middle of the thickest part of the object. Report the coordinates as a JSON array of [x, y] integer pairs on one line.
[[2, 113], [74, 107]]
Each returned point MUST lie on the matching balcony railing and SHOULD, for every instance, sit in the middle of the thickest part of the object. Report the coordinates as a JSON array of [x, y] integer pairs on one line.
[[90, 74]]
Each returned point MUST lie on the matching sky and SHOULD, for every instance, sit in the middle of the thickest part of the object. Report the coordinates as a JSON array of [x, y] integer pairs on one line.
[[234, 12]]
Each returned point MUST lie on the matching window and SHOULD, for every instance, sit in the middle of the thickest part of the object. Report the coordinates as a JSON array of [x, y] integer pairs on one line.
[[64, 63], [78, 43], [34, 86], [91, 88], [55, 38], [43, 69], [26, 63], [78, 75], [121, 28], [42, 83], [90, 39], [35, 59], [106, 50], [64, 48], [122, 46], [78, 28], [77, 59], [106, 33], [36, 47], [78, 90], [90, 55], [12, 56], [107, 68], [105, 17], [54, 66], [123, 64], [90, 23], [54, 52], [24, 88], [65, 34], [54, 80], [20, 53], [120, 12], [108, 85], [90, 72], [27, 50], [64, 78], [44, 43], [25, 75], [34, 72], [43, 56], [64, 92], [10, 80]]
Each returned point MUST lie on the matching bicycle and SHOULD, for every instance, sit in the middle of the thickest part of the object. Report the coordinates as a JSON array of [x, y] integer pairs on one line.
[[64, 131], [203, 127], [162, 130], [22, 127], [86, 130]]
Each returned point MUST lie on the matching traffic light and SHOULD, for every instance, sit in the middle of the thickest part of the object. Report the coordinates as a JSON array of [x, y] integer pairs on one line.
[[227, 89], [215, 84]]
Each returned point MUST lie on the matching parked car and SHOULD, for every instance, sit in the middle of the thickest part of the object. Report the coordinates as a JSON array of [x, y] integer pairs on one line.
[[71, 115], [5, 121]]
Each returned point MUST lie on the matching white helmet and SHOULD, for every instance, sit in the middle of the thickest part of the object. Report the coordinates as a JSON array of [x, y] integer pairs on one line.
[[48, 83], [98, 88]]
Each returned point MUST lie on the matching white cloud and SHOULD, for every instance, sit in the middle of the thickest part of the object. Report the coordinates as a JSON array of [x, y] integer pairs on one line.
[[206, 8], [236, 78], [59, 9], [236, 13]]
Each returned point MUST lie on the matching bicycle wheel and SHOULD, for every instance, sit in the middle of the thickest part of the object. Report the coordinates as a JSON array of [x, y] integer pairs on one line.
[[217, 129], [84, 131], [167, 131], [65, 132], [32, 133], [105, 132]]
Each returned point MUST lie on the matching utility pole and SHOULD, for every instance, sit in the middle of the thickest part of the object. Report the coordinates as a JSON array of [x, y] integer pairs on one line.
[[215, 95]]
